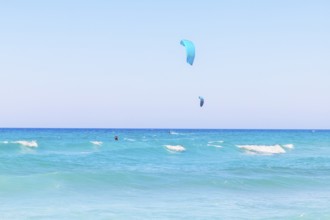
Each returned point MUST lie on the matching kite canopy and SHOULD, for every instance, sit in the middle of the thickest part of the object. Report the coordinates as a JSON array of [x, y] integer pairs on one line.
[[201, 101], [190, 50]]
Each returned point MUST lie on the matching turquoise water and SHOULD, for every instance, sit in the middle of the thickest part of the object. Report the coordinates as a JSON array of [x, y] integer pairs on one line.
[[213, 174]]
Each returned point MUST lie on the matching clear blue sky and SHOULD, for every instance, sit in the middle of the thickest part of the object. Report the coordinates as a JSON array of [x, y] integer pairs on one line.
[[103, 63]]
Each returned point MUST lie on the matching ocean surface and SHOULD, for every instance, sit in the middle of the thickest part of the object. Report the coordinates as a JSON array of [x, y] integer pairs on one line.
[[164, 174]]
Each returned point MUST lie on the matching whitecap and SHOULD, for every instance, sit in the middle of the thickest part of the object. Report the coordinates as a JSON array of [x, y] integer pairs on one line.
[[262, 149], [98, 143], [214, 144], [176, 148], [4, 142], [26, 143], [288, 146], [173, 133]]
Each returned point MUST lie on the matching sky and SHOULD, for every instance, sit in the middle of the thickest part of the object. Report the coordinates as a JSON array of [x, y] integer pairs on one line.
[[119, 64]]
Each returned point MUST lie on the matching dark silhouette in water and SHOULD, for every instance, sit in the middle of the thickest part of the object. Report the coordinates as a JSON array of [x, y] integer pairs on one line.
[[116, 138]]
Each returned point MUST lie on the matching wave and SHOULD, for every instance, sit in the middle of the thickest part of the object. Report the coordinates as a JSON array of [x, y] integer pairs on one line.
[[263, 149], [23, 143], [26, 143], [98, 143], [288, 146], [173, 133], [176, 148], [214, 144]]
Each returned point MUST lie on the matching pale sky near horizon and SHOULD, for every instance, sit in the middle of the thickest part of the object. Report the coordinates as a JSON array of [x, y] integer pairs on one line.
[[119, 64]]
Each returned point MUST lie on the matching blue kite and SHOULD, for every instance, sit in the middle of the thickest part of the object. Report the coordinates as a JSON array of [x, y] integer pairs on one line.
[[190, 50]]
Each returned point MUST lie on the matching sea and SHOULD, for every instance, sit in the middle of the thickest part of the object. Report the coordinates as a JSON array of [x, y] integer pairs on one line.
[[164, 174]]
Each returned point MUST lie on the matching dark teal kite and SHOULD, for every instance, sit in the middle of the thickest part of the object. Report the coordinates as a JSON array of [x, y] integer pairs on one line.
[[201, 101], [190, 50]]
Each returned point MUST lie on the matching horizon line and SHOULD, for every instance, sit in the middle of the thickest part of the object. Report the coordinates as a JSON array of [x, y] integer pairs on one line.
[[141, 128]]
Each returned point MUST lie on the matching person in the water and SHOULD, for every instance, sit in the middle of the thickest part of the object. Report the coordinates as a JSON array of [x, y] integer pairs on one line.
[[116, 138]]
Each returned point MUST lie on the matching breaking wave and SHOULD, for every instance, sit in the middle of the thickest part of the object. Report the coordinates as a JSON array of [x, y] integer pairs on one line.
[[174, 133], [175, 148], [97, 143], [288, 146], [214, 144], [263, 149], [26, 143], [23, 143]]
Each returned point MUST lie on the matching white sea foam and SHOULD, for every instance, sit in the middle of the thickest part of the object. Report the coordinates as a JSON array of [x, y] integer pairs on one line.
[[176, 148], [173, 133], [98, 143], [4, 142], [288, 146], [262, 149], [214, 144], [26, 143]]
